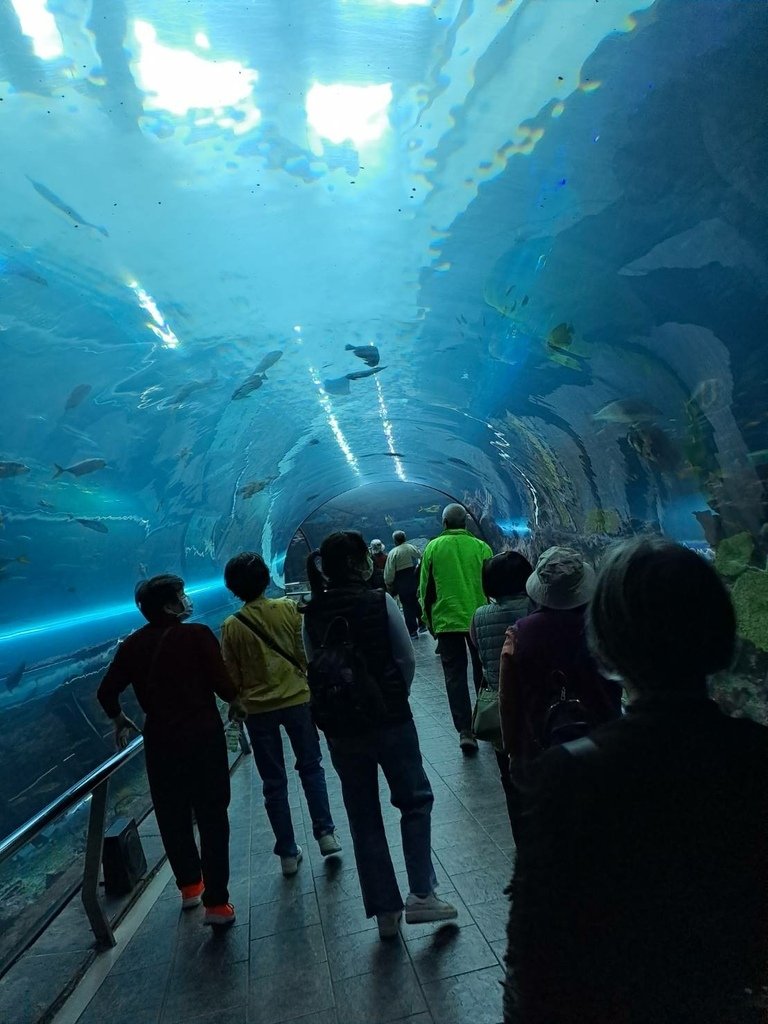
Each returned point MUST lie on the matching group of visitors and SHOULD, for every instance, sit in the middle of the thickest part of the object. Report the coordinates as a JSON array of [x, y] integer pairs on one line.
[[642, 837]]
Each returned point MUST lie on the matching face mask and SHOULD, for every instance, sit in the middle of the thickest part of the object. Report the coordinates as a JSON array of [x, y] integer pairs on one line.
[[188, 608]]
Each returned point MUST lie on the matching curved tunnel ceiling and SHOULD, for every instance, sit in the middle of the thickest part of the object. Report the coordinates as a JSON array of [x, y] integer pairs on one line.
[[549, 217]]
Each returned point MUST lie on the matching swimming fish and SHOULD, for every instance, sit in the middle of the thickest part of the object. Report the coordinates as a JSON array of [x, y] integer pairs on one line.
[[13, 469], [65, 208], [45, 504], [269, 360], [389, 521], [368, 353], [654, 445], [431, 509], [76, 397], [80, 468], [93, 524], [360, 374], [252, 383], [315, 440], [459, 462], [189, 389], [5, 562], [627, 410], [11, 266], [336, 385], [560, 336], [14, 677], [254, 487]]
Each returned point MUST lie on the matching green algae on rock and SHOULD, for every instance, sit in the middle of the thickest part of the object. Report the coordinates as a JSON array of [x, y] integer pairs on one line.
[[750, 599], [733, 554]]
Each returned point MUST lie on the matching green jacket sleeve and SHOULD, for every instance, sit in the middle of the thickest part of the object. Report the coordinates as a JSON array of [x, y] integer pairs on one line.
[[426, 561]]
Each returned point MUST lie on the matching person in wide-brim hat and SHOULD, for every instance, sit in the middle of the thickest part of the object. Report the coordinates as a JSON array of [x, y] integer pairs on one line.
[[561, 579]]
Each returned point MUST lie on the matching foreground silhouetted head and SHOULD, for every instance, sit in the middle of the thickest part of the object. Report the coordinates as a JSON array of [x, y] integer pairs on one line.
[[505, 575], [660, 616], [246, 575], [344, 558], [160, 596], [454, 517], [398, 537]]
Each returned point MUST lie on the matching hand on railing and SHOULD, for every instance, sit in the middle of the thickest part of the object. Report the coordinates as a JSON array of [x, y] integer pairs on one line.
[[237, 712], [124, 726]]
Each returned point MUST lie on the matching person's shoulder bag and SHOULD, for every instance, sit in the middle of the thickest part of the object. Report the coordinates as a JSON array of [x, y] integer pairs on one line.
[[270, 643]]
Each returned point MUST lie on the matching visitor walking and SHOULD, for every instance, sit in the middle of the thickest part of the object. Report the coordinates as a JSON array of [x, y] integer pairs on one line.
[[176, 671], [264, 653], [504, 578], [450, 591], [639, 890], [373, 727], [401, 577]]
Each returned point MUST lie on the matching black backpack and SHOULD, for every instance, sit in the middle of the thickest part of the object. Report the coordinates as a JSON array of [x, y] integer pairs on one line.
[[566, 718], [344, 697]]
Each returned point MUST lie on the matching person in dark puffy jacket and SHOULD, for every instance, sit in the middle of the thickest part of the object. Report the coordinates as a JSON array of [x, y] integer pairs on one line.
[[504, 579], [378, 632], [639, 894]]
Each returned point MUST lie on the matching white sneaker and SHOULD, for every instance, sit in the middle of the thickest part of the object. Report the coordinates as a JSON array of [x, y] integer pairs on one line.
[[329, 844], [389, 924], [290, 865], [467, 742], [420, 909]]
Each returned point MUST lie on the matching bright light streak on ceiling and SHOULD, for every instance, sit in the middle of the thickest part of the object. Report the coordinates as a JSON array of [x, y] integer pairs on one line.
[[349, 113], [159, 328], [39, 24], [180, 81], [386, 423], [333, 423]]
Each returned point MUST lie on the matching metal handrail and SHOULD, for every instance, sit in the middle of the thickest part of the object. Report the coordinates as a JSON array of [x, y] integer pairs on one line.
[[68, 799]]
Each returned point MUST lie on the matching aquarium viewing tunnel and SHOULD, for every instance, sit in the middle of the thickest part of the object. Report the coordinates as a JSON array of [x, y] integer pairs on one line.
[[273, 267]]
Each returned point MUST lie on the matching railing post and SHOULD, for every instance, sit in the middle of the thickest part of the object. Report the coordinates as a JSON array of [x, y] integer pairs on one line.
[[94, 844]]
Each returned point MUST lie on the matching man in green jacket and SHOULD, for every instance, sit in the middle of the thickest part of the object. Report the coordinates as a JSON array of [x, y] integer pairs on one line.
[[450, 591]]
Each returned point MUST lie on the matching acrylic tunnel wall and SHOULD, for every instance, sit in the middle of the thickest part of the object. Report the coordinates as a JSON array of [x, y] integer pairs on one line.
[[258, 259]]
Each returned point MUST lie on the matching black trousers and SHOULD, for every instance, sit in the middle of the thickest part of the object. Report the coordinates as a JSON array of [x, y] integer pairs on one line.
[[511, 791], [193, 780], [406, 585], [453, 655]]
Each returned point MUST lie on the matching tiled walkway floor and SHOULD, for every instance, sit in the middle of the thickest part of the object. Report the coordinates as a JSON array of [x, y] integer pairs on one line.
[[302, 950]]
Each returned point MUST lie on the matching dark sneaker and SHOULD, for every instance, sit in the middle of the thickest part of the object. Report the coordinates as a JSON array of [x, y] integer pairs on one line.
[[467, 742]]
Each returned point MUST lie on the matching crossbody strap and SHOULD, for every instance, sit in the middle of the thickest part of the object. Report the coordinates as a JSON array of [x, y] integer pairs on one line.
[[270, 643]]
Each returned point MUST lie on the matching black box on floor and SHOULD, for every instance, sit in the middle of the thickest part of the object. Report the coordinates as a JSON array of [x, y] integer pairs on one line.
[[123, 857]]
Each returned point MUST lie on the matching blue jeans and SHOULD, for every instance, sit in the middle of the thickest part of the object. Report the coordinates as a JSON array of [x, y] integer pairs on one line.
[[267, 742], [357, 759]]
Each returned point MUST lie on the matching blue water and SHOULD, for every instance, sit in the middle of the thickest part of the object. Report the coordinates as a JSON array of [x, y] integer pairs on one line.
[[549, 217]]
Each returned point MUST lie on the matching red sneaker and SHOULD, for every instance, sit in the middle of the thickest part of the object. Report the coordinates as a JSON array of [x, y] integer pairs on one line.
[[191, 895], [224, 914]]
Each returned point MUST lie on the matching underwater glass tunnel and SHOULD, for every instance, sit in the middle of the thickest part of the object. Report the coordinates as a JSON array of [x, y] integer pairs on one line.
[[269, 268]]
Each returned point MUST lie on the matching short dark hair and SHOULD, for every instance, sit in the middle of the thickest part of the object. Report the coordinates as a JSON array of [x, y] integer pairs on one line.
[[246, 575], [398, 537], [505, 574], [154, 594], [661, 616]]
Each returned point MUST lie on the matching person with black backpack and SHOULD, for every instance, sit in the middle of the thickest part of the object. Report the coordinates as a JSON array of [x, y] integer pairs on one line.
[[550, 688], [361, 665]]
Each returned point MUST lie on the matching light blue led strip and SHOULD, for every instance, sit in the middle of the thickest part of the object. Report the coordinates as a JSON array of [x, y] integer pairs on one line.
[[98, 615]]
